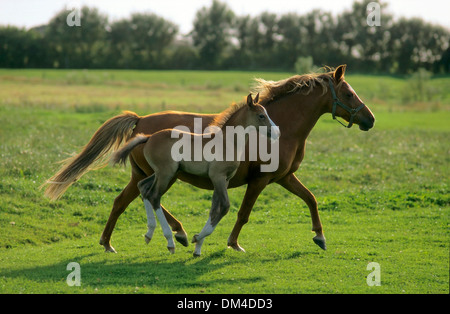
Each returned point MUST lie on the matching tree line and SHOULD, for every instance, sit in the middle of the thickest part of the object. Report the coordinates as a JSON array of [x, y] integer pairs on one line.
[[221, 40]]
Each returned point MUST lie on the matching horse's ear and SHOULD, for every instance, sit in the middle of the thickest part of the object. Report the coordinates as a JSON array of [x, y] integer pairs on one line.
[[250, 100], [339, 73], [256, 99]]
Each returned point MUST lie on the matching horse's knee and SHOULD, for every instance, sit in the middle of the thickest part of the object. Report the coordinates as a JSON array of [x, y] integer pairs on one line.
[[242, 218]]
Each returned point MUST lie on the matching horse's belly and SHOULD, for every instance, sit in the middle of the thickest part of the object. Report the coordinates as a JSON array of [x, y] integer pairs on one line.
[[198, 181], [197, 168]]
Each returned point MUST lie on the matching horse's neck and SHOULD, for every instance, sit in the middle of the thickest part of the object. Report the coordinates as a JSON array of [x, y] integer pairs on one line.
[[297, 114]]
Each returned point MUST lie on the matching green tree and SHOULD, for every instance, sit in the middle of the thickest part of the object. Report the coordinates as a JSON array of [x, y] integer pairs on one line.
[[78, 46], [141, 41], [417, 44], [212, 33], [20, 48]]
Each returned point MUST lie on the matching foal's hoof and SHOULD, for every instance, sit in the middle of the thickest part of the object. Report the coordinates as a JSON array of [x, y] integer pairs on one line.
[[196, 254], [171, 249], [147, 239], [320, 241], [182, 238], [194, 240]]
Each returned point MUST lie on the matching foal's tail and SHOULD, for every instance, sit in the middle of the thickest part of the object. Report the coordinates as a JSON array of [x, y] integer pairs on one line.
[[121, 155], [107, 138]]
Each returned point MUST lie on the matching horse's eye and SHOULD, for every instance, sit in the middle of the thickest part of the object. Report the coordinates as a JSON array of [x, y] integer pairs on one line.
[[261, 116], [349, 95]]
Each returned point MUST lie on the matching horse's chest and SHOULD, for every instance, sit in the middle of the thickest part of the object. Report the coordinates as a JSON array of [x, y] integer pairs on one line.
[[292, 161]]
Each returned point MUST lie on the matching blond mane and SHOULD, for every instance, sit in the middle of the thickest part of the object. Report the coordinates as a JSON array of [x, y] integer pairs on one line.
[[225, 115], [271, 90]]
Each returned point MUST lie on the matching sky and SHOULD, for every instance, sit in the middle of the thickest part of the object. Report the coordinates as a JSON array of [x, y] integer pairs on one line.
[[30, 13]]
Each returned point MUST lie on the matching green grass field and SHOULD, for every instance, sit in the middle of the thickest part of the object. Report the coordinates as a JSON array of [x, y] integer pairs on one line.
[[383, 195]]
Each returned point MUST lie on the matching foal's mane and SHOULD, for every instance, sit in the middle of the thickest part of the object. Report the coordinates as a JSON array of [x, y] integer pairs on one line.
[[272, 90], [225, 115]]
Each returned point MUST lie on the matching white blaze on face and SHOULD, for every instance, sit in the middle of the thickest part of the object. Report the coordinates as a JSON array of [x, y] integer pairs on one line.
[[275, 130]]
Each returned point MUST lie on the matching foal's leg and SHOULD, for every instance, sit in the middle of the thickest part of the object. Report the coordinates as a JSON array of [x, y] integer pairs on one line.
[[152, 198], [129, 193], [144, 187], [180, 234], [293, 185], [219, 208]]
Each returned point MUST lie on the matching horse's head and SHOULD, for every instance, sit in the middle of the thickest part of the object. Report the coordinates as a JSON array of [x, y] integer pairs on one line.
[[346, 103], [258, 117]]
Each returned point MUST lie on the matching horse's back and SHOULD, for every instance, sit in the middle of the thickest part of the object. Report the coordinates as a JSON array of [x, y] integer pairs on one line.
[[171, 119]]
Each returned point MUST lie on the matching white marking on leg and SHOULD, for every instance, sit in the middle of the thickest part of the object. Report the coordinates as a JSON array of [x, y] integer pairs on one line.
[[206, 231], [166, 229], [151, 220], [198, 247]]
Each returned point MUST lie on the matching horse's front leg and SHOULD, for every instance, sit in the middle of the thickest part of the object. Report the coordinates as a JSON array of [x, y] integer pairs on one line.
[[293, 185], [254, 188]]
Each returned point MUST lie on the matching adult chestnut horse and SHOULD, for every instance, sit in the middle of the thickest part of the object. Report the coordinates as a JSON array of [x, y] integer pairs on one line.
[[294, 104]]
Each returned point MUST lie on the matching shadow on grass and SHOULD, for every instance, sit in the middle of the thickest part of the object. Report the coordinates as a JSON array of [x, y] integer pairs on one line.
[[123, 275]]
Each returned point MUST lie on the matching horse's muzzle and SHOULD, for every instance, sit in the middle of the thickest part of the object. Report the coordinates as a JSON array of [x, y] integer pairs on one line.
[[367, 123]]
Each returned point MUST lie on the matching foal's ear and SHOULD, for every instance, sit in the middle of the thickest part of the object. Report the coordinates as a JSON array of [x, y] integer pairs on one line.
[[256, 99], [250, 100], [339, 73]]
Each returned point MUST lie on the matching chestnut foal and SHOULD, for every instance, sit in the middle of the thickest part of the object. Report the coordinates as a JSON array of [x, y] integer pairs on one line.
[[218, 166]]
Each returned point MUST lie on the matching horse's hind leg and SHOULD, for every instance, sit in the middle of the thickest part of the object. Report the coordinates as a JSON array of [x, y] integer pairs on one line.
[[120, 204]]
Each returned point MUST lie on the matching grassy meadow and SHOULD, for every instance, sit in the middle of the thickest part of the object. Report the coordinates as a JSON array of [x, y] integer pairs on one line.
[[383, 195]]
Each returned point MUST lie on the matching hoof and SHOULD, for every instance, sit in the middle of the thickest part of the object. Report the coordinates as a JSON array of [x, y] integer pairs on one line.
[[196, 254], [147, 239], [236, 247], [182, 239], [320, 241], [194, 239], [110, 249], [107, 246], [171, 249]]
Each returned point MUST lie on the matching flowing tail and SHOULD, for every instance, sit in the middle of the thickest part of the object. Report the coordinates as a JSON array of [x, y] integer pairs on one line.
[[121, 155], [107, 138]]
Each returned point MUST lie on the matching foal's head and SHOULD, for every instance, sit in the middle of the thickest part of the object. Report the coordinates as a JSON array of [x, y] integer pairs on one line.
[[257, 116]]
